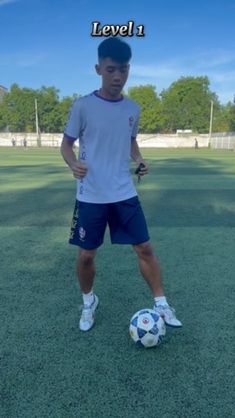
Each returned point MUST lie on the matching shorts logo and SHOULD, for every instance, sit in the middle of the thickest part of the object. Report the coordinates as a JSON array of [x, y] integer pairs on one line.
[[82, 233], [74, 224]]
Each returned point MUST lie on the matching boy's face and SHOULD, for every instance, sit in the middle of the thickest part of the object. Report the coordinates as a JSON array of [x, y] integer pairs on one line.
[[114, 76]]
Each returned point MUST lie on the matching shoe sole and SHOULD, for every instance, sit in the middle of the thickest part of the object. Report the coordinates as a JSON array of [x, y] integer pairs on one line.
[[173, 326], [170, 325]]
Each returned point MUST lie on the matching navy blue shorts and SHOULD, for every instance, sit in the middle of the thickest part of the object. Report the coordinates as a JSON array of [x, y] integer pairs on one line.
[[125, 219]]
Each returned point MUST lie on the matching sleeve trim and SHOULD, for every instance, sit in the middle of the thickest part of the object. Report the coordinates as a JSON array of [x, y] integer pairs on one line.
[[70, 138]]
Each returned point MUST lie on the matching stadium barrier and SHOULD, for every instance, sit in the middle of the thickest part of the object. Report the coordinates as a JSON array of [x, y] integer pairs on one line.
[[180, 140], [32, 140], [223, 141]]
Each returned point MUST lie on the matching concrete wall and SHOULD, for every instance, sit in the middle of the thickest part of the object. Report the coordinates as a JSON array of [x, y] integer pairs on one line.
[[49, 140], [144, 140], [172, 141], [220, 140]]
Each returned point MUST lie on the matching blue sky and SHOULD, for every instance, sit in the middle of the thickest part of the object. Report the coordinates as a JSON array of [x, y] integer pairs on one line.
[[48, 43]]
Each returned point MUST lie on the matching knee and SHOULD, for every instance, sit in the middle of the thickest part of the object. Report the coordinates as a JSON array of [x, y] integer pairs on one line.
[[86, 257], [144, 250]]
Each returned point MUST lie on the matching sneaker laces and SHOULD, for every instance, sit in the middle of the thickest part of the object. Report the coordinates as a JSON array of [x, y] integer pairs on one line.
[[87, 312], [169, 309]]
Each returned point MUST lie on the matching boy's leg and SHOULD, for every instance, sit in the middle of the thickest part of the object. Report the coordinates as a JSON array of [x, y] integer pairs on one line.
[[87, 232], [150, 270], [86, 269], [128, 226], [86, 275]]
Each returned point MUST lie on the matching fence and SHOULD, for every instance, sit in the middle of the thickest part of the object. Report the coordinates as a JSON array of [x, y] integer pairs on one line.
[[223, 141], [47, 140], [218, 141]]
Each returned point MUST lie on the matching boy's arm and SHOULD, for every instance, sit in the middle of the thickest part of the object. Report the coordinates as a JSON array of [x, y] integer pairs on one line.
[[78, 168], [137, 157]]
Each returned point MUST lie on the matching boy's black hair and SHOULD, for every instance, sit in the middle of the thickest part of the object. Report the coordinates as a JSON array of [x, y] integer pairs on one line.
[[116, 49]]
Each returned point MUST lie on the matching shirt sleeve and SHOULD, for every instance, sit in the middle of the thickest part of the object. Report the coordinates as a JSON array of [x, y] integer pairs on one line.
[[74, 126]]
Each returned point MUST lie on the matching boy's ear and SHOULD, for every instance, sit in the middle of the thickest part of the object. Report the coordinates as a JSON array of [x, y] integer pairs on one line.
[[97, 68]]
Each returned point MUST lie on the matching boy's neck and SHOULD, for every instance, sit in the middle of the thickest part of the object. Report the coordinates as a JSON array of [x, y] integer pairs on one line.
[[103, 93]]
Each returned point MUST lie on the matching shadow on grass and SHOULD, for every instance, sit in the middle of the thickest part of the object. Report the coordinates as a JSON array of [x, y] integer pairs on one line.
[[52, 205], [189, 208]]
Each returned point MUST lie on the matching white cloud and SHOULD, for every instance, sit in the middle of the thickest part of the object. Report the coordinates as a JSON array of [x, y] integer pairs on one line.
[[22, 59], [163, 70], [218, 65], [31, 60], [216, 58], [4, 2], [225, 77]]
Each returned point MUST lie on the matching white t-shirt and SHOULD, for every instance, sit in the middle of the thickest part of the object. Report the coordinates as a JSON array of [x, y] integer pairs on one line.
[[104, 128]]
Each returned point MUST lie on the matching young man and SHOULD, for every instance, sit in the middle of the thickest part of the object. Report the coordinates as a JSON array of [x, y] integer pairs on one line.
[[106, 124]]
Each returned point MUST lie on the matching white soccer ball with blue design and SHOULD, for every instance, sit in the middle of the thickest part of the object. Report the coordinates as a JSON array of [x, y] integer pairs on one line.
[[147, 328]]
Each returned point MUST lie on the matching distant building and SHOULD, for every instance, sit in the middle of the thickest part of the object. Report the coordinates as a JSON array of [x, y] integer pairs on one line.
[[3, 90], [184, 131]]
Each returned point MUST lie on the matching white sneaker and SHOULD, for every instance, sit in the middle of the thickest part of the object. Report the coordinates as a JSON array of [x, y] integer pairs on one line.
[[168, 314], [88, 315]]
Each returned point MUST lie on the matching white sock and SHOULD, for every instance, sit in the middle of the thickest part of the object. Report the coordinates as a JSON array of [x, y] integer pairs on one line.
[[88, 298], [160, 300]]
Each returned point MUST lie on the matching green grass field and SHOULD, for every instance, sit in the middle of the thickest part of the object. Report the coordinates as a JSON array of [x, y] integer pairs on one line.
[[48, 367]]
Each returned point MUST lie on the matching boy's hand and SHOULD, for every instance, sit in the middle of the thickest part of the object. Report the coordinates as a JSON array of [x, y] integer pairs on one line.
[[141, 170], [79, 169]]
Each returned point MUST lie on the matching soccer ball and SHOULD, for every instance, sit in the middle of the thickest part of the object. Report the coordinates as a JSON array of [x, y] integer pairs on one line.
[[147, 328]]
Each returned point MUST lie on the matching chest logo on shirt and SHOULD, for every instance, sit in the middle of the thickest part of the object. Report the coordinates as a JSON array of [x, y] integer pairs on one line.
[[131, 121]]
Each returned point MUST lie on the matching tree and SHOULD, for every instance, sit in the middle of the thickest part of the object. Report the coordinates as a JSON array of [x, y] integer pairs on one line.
[[186, 104], [63, 110], [17, 109], [221, 119], [146, 97], [48, 103], [3, 116], [231, 116]]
